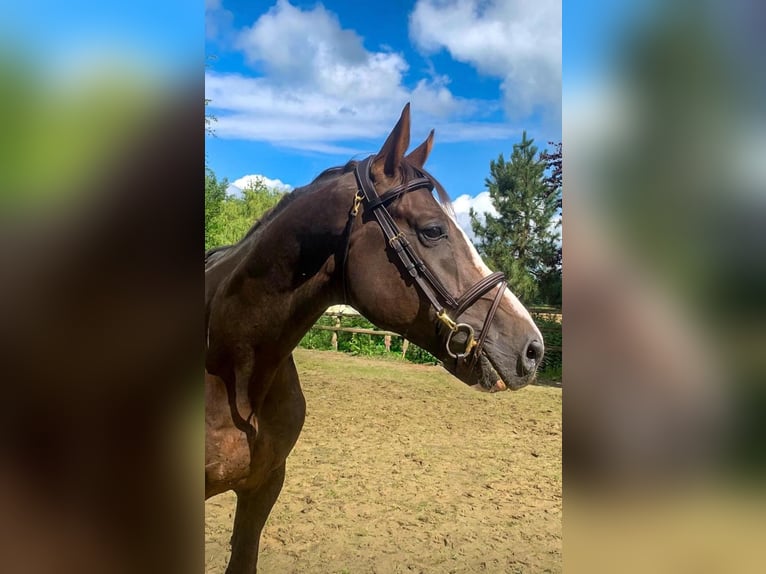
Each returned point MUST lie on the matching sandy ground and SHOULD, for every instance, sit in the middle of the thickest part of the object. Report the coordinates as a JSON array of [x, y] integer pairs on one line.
[[402, 468]]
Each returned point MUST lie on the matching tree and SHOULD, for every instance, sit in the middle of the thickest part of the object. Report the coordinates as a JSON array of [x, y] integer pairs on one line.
[[230, 217], [215, 195], [522, 240], [554, 165], [209, 119], [550, 282]]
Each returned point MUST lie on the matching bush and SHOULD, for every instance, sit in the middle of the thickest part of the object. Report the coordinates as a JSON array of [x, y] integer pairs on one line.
[[374, 345], [552, 364], [361, 344]]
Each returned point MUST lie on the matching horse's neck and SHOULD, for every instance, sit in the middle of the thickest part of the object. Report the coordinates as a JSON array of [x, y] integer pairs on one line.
[[282, 277]]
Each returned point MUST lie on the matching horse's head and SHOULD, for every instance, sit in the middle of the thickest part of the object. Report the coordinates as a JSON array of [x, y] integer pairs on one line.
[[411, 269]]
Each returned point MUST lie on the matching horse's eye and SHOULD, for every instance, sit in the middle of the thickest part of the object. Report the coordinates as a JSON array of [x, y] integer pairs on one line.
[[434, 232]]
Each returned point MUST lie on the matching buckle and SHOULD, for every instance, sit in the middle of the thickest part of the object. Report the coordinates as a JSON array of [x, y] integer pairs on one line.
[[444, 318], [469, 344], [398, 237], [358, 198]]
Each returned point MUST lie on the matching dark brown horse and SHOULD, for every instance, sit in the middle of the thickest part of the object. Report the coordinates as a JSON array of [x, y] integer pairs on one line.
[[370, 234]]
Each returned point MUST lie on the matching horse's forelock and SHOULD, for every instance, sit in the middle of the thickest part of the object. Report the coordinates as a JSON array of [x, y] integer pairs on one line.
[[443, 195], [411, 172]]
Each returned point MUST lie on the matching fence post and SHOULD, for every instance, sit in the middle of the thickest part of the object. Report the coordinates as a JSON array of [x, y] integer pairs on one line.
[[335, 334]]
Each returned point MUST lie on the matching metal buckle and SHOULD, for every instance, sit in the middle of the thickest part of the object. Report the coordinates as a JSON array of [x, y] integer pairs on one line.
[[469, 344], [444, 318], [398, 237], [358, 198]]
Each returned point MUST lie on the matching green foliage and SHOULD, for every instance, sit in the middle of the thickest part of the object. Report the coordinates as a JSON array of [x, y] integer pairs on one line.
[[374, 346], [521, 240], [418, 355], [215, 195], [362, 344], [551, 369], [550, 281], [228, 218]]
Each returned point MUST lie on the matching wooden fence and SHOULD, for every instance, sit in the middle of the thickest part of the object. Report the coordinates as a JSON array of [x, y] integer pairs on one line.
[[340, 311]]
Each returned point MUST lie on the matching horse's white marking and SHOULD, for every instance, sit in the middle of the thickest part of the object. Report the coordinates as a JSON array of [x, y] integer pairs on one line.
[[509, 297]]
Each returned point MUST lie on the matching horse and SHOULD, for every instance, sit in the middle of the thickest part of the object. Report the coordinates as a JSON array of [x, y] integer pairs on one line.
[[370, 234]]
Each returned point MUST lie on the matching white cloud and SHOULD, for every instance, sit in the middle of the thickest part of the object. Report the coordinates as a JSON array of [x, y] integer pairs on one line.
[[234, 190], [481, 204], [434, 96], [309, 48], [255, 109], [246, 180], [255, 179], [218, 20], [320, 88], [515, 40]]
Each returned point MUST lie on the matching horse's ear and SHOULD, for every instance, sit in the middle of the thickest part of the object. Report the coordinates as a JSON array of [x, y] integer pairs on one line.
[[420, 154], [390, 155]]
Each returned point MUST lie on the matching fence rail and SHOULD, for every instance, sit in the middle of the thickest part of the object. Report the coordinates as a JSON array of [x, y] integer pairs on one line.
[[338, 312], [337, 328], [548, 319], [358, 330]]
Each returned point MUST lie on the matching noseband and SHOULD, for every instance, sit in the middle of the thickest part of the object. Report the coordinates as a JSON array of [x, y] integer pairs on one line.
[[448, 309]]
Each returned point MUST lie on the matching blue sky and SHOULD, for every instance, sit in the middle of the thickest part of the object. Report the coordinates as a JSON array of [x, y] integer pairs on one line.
[[301, 86]]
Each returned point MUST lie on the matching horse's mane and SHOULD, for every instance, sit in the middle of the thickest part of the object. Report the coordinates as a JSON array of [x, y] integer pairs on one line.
[[407, 172], [319, 181]]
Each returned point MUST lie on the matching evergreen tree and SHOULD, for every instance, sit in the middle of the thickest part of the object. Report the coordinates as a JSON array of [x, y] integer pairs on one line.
[[550, 282], [522, 239], [554, 163]]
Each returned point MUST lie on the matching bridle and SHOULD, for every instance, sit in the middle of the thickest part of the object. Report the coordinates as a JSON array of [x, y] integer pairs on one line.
[[448, 308]]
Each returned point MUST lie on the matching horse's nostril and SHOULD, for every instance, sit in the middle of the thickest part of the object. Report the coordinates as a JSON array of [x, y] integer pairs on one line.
[[533, 355]]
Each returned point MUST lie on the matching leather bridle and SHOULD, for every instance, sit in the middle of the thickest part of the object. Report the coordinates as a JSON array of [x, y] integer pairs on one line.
[[448, 308]]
